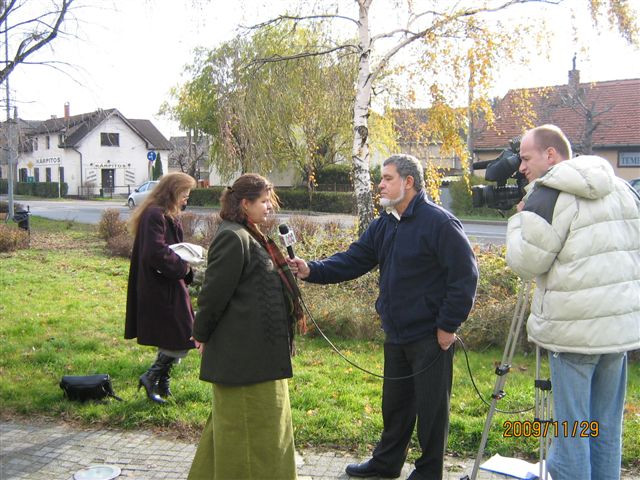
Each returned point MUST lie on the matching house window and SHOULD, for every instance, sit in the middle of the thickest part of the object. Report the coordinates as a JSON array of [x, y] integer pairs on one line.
[[35, 143], [629, 159], [110, 139], [36, 175], [61, 174], [60, 139], [48, 174], [47, 142], [22, 175]]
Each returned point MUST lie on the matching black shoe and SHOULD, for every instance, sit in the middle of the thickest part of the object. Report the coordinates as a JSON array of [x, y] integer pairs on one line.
[[415, 476], [149, 379], [163, 387], [365, 469]]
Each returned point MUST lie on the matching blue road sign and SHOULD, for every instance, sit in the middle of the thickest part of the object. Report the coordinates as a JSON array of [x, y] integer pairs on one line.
[[151, 156]]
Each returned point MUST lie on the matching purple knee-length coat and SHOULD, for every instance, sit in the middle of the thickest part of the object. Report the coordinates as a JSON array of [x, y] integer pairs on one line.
[[159, 311]]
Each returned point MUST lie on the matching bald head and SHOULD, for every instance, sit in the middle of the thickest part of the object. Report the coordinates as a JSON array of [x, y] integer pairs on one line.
[[540, 149]]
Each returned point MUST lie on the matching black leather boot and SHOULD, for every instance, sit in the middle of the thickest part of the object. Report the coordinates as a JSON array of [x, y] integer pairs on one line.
[[149, 379], [163, 380]]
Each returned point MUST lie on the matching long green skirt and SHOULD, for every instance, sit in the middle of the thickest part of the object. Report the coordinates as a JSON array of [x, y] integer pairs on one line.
[[249, 435]]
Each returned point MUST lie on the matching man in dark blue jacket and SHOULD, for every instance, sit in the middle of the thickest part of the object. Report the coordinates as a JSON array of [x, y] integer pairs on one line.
[[428, 278]]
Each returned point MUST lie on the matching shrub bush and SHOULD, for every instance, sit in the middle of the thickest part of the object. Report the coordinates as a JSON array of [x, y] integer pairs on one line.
[[303, 227], [200, 229], [12, 238], [120, 246], [4, 207], [111, 225], [210, 225], [190, 225], [492, 313]]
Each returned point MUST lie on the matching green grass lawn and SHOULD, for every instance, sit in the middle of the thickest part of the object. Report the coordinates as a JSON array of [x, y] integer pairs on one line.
[[62, 305]]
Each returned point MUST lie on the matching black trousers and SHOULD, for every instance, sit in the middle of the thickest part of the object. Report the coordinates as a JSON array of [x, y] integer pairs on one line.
[[423, 399]]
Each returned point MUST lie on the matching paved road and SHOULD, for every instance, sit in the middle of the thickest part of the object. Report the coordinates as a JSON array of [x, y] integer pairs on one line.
[[31, 450], [89, 211]]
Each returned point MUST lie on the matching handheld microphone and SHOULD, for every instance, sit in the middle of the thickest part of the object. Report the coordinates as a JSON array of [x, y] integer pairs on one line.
[[288, 238]]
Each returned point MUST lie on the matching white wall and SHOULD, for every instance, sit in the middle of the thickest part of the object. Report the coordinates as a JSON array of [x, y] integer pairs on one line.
[[279, 178], [128, 160]]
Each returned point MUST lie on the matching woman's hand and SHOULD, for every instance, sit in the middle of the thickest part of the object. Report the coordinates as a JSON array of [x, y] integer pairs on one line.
[[199, 345]]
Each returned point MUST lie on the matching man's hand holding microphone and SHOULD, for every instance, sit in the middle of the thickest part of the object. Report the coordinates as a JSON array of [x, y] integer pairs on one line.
[[298, 266]]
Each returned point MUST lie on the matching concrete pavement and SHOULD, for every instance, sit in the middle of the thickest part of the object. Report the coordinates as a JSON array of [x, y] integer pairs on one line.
[[47, 450]]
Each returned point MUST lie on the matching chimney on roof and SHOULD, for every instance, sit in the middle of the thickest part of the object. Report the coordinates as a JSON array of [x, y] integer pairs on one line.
[[66, 110], [574, 76]]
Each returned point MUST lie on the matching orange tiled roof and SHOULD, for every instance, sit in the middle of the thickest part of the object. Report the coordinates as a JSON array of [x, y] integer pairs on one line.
[[619, 124]]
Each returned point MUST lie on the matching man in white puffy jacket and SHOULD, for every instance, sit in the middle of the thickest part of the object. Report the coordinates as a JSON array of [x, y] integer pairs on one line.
[[577, 232]]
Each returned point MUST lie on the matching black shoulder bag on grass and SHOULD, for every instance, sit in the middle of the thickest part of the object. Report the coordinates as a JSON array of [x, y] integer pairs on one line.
[[87, 387]]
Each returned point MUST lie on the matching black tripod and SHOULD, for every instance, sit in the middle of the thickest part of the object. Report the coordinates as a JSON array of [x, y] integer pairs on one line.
[[543, 387]]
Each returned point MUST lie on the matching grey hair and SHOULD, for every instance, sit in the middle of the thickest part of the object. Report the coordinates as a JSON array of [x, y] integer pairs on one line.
[[407, 165]]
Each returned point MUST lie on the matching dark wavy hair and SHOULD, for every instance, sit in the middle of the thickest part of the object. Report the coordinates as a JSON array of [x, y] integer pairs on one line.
[[249, 186]]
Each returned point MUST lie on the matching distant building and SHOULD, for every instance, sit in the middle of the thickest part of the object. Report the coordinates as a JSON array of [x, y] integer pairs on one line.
[[601, 118], [96, 152], [409, 127]]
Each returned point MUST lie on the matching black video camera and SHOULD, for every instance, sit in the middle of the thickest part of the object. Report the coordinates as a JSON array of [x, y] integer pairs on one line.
[[499, 170]]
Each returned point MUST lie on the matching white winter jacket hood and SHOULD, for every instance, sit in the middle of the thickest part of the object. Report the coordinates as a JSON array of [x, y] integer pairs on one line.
[[584, 255]]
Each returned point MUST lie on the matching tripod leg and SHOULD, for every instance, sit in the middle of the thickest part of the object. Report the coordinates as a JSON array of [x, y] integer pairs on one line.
[[543, 414], [501, 371]]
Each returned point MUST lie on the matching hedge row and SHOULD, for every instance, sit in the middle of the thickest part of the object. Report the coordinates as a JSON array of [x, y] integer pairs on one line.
[[290, 198], [329, 202], [201, 197], [340, 174], [40, 189]]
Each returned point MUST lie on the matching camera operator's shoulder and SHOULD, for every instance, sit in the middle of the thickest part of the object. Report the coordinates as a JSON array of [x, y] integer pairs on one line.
[[542, 202]]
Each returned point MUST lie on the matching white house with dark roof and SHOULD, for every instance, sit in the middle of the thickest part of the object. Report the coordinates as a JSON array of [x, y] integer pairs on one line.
[[101, 151]]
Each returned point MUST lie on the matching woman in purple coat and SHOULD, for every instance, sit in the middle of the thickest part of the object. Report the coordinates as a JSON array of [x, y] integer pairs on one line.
[[159, 311]]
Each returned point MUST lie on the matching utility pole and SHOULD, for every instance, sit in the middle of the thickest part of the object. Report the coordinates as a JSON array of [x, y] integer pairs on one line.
[[9, 127]]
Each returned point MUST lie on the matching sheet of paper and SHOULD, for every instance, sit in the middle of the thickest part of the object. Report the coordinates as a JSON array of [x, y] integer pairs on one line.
[[513, 467]]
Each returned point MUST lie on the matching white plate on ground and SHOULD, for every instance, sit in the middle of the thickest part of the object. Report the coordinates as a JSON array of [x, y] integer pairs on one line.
[[97, 472]]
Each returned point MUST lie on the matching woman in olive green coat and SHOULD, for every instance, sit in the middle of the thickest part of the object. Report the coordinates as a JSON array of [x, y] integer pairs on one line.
[[244, 330]]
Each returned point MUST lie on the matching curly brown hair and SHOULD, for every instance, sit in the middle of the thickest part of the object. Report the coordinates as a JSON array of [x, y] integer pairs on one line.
[[249, 186], [167, 195]]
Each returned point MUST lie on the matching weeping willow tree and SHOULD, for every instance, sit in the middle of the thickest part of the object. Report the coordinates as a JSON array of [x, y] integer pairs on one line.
[[268, 118]]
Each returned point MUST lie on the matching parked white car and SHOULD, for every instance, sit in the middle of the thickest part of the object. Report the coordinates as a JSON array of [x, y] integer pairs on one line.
[[140, 193]]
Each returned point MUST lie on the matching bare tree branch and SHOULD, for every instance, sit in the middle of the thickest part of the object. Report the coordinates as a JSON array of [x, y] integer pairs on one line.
[[296, 19], [280, 58], [443, 20], [33, 42]]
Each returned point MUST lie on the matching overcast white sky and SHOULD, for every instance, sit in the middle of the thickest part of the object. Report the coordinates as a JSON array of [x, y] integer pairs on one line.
[[132, 52]]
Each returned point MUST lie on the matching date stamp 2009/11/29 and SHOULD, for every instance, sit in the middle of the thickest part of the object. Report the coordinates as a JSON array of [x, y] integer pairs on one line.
[[538, 429]]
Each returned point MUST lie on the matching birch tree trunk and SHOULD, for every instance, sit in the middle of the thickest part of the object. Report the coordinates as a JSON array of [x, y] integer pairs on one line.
[[360, 149]]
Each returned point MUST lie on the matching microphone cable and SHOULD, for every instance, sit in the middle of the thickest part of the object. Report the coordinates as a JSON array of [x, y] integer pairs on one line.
[[466, 356], [352, 363], [406, 377]]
